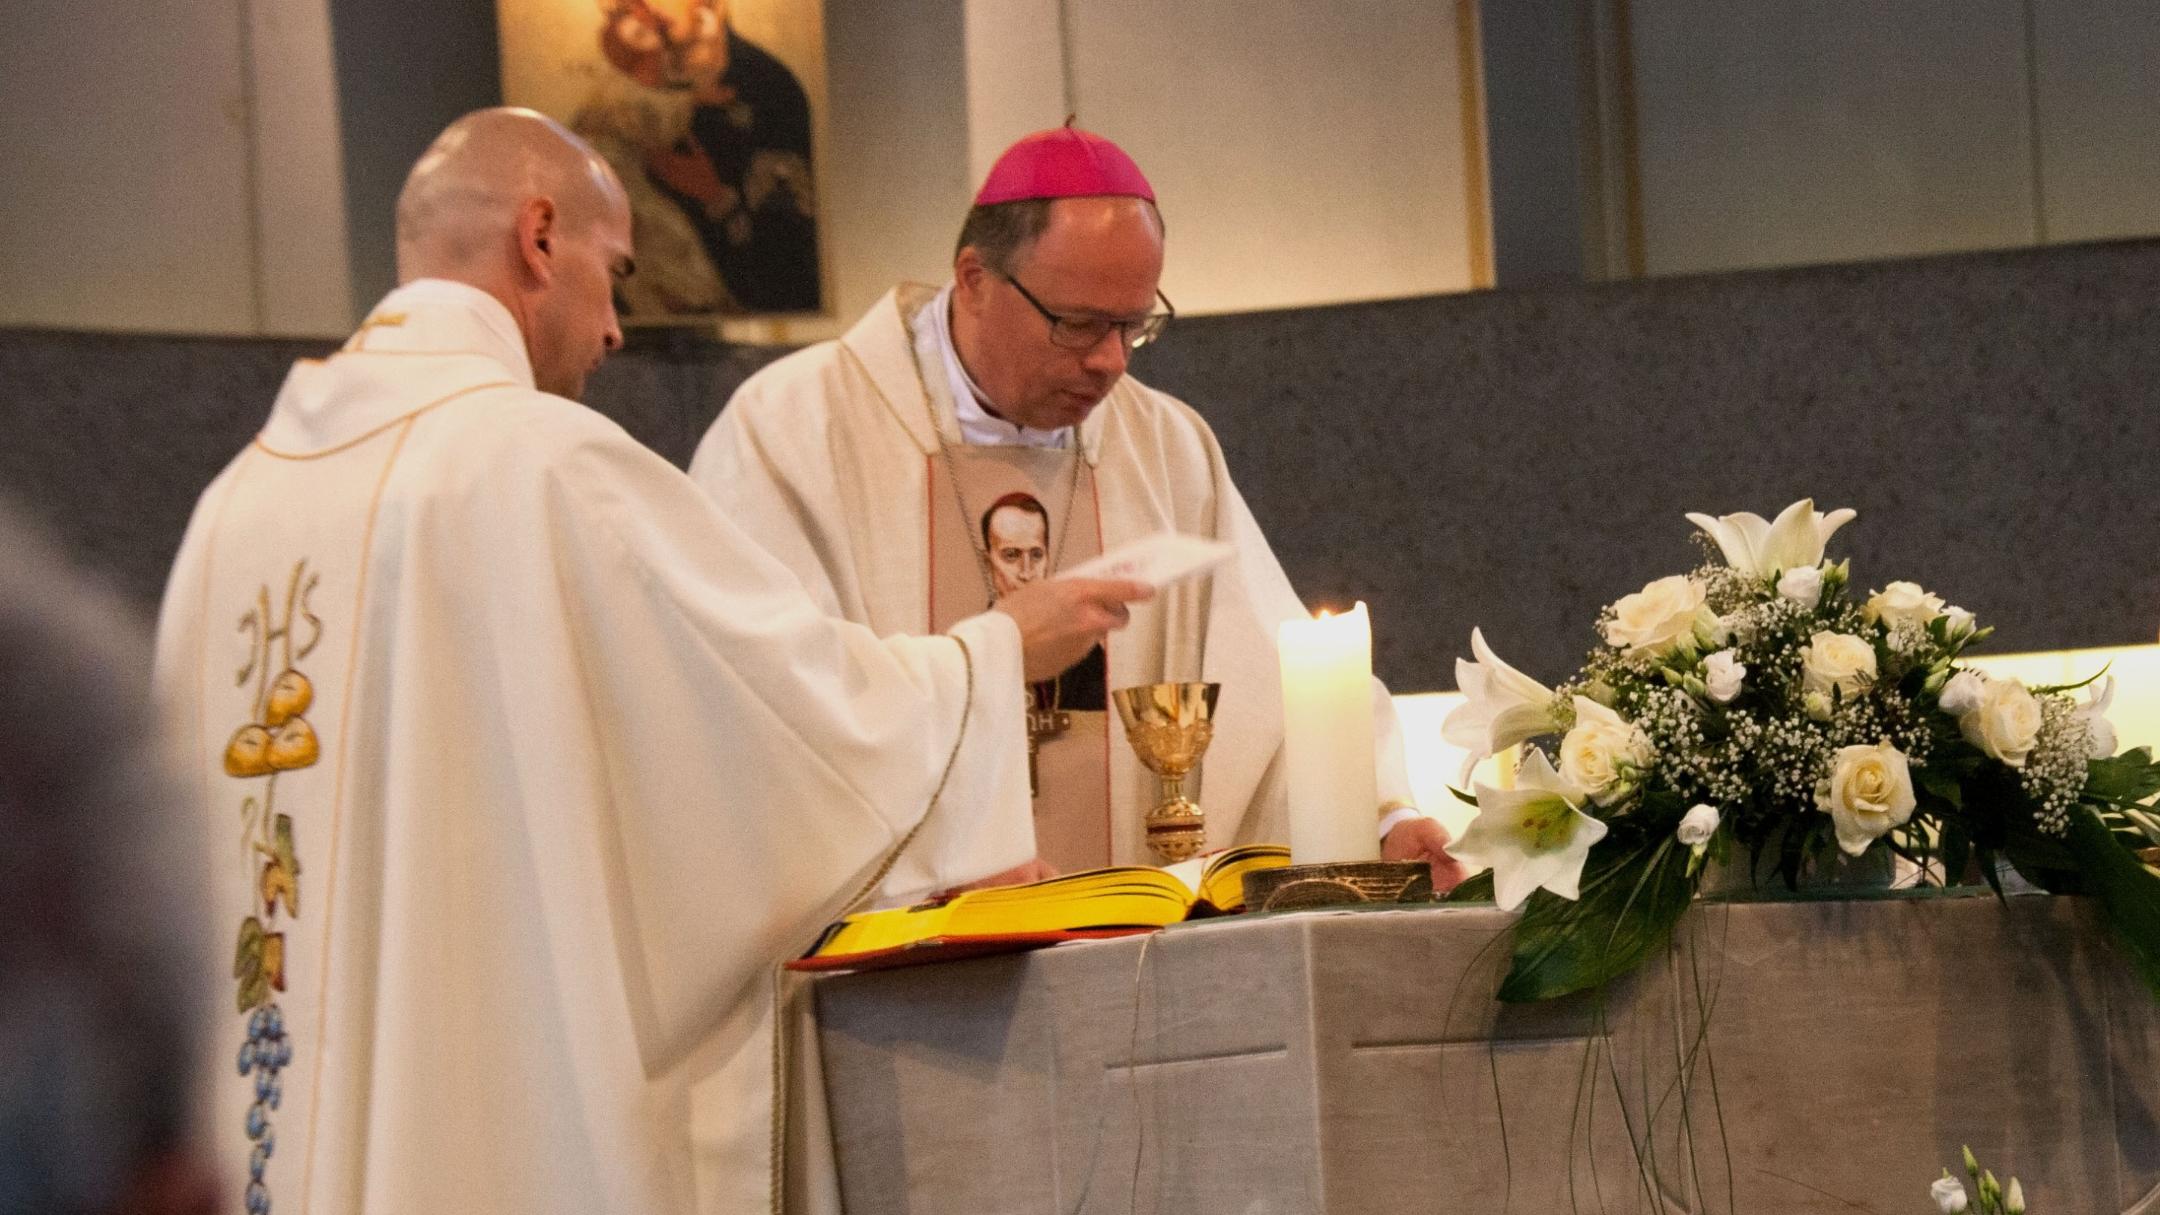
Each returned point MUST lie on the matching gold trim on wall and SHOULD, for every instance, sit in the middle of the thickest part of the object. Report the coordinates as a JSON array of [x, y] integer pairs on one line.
[[1614, 246], [1630, 137], [1477, 175]]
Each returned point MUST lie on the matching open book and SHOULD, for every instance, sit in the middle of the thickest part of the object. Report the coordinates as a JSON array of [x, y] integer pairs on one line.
[[1077, 906]]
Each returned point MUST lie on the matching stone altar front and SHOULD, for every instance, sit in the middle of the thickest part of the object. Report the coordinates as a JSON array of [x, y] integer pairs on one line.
[[1327, 1063]]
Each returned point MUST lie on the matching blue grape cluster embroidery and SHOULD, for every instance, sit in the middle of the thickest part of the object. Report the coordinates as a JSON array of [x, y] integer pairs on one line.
[[264, 1055]]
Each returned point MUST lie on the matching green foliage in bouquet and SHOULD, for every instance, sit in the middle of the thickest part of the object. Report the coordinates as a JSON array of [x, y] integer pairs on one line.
[[1951, 1197], [1757, 711]]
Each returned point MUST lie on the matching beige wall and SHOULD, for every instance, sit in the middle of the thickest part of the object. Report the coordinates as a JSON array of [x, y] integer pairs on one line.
[[895, 171], [1318, 157], [2096, 63], [1770, 133], [171, 167], [178, 166], [1303, 153]]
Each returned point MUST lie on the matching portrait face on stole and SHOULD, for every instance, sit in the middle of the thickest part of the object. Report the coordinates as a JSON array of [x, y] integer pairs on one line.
[[1020, 514], [711, 113]]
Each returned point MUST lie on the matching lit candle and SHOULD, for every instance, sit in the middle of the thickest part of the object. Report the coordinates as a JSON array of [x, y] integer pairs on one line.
[[1328, 737]]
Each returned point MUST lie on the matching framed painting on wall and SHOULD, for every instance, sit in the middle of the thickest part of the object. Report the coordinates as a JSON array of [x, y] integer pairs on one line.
[[709, 111]]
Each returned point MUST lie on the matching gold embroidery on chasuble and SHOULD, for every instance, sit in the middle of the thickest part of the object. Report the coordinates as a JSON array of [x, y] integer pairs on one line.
[[279, 698], [280, 633], [1000, 518]]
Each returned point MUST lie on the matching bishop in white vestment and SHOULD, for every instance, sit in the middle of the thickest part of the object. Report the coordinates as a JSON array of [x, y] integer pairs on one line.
[[876, 467], [530, 766]]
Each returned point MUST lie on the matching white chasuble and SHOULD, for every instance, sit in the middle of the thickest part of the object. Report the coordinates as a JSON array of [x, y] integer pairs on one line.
[[527, 768], [825, 458], [1000, 518]]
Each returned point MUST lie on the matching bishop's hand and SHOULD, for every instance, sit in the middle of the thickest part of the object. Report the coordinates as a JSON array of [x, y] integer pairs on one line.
[[1063, 618], [1424, 839]]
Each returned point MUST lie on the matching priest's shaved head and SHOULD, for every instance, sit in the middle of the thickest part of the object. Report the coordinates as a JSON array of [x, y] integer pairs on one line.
[[529, 766], [1055, 278], [510, 201]]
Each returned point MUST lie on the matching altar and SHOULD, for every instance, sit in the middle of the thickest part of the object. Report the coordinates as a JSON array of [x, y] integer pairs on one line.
[[1813, 1056]]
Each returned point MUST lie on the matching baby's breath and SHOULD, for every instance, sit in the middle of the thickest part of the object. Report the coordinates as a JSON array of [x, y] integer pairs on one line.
[[2054, 773], [1761, 757]]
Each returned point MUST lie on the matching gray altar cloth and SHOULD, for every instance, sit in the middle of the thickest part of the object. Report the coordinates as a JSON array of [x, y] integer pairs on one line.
[[1339, 1062]]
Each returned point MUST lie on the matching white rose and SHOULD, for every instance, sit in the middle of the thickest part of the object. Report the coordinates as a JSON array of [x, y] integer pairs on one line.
[[1803, 586], [1657, 617], [1961, 622], [1722, 675], [1837, 662], [1602, 752], [1698, 826], [1902, 604], [1868, 792], [1949, 1195], [1962, 694], [2005, 723]]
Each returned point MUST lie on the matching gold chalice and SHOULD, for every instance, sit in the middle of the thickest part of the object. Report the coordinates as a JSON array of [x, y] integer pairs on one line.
[[1170, 726]]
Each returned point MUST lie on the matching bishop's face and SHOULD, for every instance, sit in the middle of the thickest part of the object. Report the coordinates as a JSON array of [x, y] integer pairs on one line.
[[1098, 258], [1019, 548]]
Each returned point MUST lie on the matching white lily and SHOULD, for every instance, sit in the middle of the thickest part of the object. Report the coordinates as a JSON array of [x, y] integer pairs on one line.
[[1501, 706], [2099, 731], [1795, 540], [1531, 836]]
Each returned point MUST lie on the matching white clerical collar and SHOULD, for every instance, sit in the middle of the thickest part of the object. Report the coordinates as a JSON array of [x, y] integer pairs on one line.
[[440, 315], [978, 426]]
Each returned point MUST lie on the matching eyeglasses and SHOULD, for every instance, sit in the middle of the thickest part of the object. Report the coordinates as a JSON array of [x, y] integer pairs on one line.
[[1086, 333]]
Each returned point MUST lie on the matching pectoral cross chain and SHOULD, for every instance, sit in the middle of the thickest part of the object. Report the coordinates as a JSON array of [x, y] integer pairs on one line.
[[1042, 724]]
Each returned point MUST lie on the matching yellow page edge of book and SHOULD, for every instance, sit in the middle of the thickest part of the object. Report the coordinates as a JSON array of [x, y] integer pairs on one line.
[[1120, 896]]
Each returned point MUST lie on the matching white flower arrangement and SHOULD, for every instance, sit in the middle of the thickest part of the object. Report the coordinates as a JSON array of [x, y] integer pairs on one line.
[[1951, 1197], [1533, 836], [1759, 695]]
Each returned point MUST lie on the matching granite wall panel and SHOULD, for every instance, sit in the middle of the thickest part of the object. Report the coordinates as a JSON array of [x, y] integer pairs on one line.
[[1515, 459], [1510, 458], [109, 438]]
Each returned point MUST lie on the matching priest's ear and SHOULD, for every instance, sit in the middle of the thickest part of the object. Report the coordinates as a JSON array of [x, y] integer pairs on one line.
[[537, 221]]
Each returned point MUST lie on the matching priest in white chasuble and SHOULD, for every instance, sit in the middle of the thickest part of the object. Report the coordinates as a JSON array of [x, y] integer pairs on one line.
[[530, 765], [962, 439]]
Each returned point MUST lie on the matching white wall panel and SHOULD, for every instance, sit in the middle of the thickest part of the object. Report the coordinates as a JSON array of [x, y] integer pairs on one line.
[[899, 183], [1776, 132], [1015, 76], [2099, 105], [124, 167], [300, 172], [1303, 153]]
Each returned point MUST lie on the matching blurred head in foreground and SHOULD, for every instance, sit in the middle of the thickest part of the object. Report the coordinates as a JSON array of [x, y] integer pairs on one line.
[[101, 953]]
